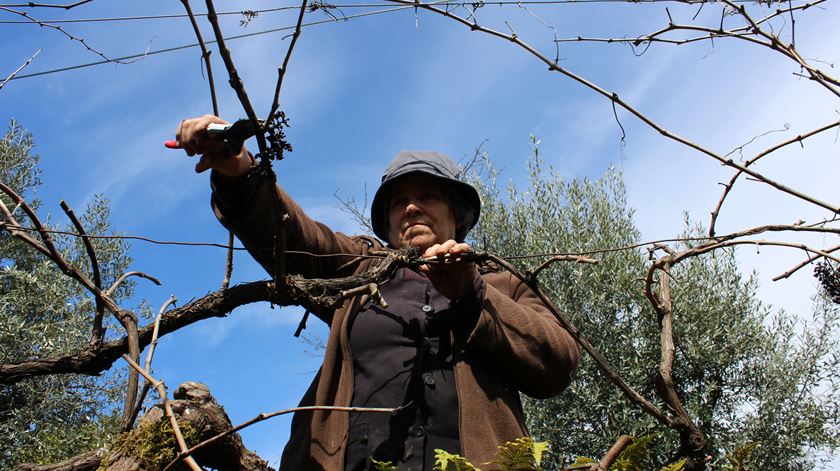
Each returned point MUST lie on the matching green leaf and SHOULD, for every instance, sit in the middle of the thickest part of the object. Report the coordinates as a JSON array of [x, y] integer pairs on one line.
[[678, 466], [444, 459], [521, 454]]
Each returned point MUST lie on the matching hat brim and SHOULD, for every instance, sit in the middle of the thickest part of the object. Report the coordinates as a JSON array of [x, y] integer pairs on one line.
[[463, 191]]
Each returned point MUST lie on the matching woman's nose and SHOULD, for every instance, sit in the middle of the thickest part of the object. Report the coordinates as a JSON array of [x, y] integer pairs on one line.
[[412, 208]]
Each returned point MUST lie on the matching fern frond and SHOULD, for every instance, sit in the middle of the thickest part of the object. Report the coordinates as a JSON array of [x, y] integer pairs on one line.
[[522, 454], [443, 460], [634, 456]]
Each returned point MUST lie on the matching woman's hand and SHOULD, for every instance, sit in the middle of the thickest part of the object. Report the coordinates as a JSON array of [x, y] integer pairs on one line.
[[192, 136], [451, 276]]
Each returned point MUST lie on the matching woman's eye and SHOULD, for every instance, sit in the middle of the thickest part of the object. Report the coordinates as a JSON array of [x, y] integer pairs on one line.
[[398, 202]]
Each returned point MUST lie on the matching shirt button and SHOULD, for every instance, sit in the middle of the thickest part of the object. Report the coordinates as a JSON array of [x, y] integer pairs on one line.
[[427, 308], [420, 431], [428, 379]]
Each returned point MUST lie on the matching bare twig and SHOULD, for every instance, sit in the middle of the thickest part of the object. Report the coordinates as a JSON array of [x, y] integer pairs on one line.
[[563, 258], [235, 81], [125, 276], [803, 263], [205, 55], [156, 329], [829, 83], [50, 5], [228, 261], [149, 355], [728, 187], [281, 72], [371, 288], [554, 66], [12, 75], [263, 416], [740, 148], [62, 31], [176, 429], [47, 247]]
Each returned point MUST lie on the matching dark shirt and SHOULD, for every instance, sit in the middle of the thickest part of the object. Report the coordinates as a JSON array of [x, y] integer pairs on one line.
[[403, 355]]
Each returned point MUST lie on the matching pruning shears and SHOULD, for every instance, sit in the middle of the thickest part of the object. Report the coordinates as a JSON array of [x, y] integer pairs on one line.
[[231, 135]]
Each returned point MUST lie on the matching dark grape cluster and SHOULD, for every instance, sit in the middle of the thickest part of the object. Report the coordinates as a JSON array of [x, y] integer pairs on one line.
[[276, 136], [829, 276]]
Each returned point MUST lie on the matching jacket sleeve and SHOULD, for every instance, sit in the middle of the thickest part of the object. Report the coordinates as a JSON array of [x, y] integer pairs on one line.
[[254, 208], [518, 332]]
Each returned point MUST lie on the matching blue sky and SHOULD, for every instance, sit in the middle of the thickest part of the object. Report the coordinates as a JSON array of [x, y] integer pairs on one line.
[[359, 91]]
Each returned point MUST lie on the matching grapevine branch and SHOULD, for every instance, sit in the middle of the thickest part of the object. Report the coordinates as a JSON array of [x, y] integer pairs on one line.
[[185, 454], [176, 429], [98, 331], [803, 263], [64, 32], [205, 56], [555, 66], [281, 72], [126, 318], [23, 66], [149, 355], [728, 187], [51, 5], [235, 81]]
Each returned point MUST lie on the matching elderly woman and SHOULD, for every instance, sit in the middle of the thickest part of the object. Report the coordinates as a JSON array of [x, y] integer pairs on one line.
[[454, 346]]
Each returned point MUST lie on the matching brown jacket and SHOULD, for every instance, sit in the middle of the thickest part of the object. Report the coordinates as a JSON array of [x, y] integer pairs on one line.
[[516, 345]]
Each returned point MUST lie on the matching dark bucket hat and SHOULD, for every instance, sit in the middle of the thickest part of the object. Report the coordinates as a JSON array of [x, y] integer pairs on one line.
[[437, 165]]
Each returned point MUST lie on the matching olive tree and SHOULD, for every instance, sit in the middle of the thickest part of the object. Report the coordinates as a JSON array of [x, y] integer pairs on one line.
[[758, 382], [50, 418]]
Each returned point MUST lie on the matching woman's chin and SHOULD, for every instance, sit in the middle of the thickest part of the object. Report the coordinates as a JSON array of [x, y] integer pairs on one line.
[[421, 241]]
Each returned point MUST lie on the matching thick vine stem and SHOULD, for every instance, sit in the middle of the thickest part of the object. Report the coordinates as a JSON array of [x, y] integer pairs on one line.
[[325, 294], [183, 455], [176, 429], [693, 442], [98, 332], [149, 355], [603, 364]]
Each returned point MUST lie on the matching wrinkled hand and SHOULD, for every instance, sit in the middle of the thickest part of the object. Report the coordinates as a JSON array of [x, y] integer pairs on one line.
[[192, 136], [451, 276]]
